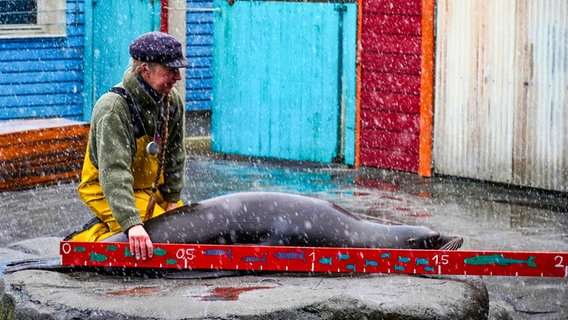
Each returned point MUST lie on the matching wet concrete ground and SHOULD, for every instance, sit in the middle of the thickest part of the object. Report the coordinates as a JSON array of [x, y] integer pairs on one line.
[[488, 216]]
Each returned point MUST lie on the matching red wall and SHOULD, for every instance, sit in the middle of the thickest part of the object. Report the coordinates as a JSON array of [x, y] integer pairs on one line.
[[390, 83]]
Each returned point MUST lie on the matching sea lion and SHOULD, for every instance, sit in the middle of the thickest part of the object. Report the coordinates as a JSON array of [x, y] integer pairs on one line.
[[265, 218], [271, 218]]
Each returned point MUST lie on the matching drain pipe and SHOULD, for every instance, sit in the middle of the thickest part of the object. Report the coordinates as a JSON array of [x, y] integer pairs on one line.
[[339, 149]]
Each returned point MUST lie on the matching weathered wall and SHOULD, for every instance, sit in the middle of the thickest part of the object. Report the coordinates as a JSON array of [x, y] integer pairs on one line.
[[501, 106]]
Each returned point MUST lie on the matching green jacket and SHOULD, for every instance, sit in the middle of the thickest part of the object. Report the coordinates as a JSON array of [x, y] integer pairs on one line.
[[115, 166]]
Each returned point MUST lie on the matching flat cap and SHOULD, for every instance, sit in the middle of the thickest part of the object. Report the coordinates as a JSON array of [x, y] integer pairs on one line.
[[158, 47]]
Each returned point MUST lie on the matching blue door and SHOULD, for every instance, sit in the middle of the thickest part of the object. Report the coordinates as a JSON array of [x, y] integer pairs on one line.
[[284, 80], [110, 26]]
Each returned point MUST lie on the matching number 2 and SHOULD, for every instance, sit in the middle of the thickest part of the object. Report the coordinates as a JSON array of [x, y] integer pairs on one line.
[[560, 260]]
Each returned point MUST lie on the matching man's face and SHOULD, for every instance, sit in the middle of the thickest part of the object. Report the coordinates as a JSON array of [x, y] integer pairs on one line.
[[160, 78]]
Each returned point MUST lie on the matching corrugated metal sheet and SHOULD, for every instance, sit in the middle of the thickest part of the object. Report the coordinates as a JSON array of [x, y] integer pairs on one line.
[[502, 91], [541, 135]]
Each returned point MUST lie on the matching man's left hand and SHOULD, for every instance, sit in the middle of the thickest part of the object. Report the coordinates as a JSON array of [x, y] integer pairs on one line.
[[171, 206]]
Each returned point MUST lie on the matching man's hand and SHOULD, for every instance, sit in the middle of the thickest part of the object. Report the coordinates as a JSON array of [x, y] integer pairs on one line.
[[140, 243], [171, 206]]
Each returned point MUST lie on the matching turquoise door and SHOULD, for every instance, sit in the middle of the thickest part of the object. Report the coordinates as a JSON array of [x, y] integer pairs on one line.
[[110, 26], [284, 80]]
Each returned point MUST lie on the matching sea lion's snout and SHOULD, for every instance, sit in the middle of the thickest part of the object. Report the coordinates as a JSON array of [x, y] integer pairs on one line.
[[451, 243], [436, 241]]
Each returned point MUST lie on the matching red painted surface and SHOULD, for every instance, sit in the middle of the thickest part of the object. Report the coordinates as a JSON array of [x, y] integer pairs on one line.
[[390, 121], [393, 24], [164, 13], [391, 62], [385, 158], [395, 102], [393, 43], [393, 141], [390, 84], [310, 259], [394, 7]]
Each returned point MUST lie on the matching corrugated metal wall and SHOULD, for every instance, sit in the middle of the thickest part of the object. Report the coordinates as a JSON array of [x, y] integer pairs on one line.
[[501, 105], [43, 77]]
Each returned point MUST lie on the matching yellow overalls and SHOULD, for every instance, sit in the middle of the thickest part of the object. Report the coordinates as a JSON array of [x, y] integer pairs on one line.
[[144, 169]]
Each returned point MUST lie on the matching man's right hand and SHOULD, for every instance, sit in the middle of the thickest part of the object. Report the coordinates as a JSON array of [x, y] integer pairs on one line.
[[140, 243]]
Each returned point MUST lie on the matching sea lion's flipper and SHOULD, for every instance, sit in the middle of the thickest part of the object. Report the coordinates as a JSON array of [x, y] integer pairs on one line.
[[53, 264]]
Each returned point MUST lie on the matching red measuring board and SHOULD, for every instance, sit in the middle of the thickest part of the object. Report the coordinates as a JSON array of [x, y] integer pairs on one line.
[[319, 259]]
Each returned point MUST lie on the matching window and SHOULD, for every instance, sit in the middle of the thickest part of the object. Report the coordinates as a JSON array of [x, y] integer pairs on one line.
[[32, 18]]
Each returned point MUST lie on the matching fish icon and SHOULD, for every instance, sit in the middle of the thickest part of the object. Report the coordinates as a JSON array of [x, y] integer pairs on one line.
[[171, 261], [98, 257], [351, 267], [291, 255], [328, 261], [80, 249], [403, 259], [429, 269], [386, 255], [371, 263], [342, 256], [160, 252], [253, 259], [127, 253], [498, 259], [111, 247], [218, 252], [421, 261], [398, 268]]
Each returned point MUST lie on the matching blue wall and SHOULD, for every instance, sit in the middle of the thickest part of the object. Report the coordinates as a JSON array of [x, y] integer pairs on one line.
[[284, 83], [43, 77], [199, 75]]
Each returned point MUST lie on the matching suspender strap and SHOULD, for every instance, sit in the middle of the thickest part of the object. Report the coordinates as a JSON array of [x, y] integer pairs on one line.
[[137, 125]]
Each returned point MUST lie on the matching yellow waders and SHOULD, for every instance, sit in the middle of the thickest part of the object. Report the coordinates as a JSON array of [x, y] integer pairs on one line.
[[144, 169]]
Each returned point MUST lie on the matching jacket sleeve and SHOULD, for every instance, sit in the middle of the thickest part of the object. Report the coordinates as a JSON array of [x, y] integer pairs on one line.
[[175, 153], [114, 158]]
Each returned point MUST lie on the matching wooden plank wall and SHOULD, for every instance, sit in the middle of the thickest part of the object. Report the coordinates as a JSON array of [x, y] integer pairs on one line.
[[390, 84], [199, 75], [41, 152], [276, 80], [43, 77]]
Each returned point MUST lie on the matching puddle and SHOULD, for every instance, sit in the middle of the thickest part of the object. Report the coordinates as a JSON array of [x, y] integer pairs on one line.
[[229, 293], [139, 291]]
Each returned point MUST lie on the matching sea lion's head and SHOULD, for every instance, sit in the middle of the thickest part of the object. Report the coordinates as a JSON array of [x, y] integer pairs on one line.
[[434, 240]]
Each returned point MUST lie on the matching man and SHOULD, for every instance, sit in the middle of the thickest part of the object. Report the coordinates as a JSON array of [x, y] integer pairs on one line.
[[131, 158]]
